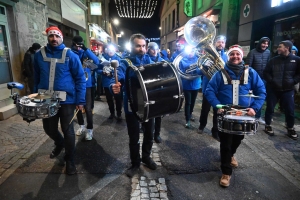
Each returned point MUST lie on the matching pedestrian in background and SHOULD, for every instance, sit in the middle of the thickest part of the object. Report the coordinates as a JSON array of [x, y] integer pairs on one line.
[[258, 58], [180, 45], [281, 74], [27, 67]]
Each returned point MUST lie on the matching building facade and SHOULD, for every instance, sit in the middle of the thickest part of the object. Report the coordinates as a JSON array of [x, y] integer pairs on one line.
[[174, 15], [277, 19]]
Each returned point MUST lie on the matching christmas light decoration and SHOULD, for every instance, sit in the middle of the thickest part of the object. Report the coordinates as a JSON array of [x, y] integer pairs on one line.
[[136, 8]]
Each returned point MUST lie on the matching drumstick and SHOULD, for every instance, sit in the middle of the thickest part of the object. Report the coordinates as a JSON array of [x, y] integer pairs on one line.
[[115, 64], [74, 116]]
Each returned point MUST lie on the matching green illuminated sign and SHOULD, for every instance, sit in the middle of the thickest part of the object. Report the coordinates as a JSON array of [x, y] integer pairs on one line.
[[188, 8]]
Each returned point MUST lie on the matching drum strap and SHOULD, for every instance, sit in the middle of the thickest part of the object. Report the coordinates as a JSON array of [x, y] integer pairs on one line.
[[235, 84], [53, 62]]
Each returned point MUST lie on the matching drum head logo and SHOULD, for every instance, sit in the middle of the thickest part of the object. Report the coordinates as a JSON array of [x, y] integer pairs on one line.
[[246, 10]]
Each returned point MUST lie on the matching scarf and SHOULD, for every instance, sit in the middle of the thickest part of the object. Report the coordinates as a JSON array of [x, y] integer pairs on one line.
[[236, 68]]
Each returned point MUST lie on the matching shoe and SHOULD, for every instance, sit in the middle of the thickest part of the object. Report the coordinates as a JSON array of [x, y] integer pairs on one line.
[[200, 131], [81, 130], [83, 111], [149, 163], [119, 118], [192, 119], [269, 130], [111, 116], [225, 180], [157, 139], [261, 121], [234, 163], [215, 136], [89, 134], [70, 168], [56, 151], [98, 98], [292, 134], [130, 172], [188, 124]]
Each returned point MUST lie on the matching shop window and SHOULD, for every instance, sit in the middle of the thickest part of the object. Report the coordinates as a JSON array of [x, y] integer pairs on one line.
[[2, 10]]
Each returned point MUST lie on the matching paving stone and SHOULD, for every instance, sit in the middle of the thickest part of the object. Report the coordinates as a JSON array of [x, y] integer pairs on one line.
[[136, 193], [161, 180], [163, 195], [153, 189], [152, 182], [143, 178], [145, 196], [162, 187], [144, 190], [143, 184]]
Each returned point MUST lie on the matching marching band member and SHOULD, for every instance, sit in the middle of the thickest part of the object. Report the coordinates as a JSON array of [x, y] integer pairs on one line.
[[190, 87], [221, 89], [85, 53], [153, 52], [107, 75], [179, 49], [69, 77], [220, 42], [138, 58]]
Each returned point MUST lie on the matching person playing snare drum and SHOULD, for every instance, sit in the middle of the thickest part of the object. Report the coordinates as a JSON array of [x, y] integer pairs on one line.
[[237, 78]]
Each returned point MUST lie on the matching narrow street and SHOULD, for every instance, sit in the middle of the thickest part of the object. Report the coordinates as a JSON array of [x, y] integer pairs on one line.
[[189, 167]]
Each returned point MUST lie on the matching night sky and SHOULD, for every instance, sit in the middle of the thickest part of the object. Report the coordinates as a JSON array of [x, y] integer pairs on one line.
[[147, 26]]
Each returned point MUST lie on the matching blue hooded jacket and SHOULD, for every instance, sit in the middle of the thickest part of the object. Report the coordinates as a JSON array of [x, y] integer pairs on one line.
[[137, 60], [194, 84], [156, 58], [164, 55], [69, 76], [83, 54], [219, 93], [106, 80]]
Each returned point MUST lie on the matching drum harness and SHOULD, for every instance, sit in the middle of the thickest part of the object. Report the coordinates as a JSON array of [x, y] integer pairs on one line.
[[235, 83], [57, 94]]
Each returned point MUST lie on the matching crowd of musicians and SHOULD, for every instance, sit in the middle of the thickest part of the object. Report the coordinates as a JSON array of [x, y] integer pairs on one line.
[[269, 79]]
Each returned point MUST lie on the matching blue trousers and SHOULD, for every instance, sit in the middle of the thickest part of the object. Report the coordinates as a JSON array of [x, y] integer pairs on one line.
[[287, 99]]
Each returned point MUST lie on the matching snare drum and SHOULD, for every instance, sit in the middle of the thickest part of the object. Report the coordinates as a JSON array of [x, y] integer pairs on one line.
[[239, 125], [156, 91], [31, 109]]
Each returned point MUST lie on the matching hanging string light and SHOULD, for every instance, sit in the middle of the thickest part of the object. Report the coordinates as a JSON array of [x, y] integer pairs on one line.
[[136, 8]]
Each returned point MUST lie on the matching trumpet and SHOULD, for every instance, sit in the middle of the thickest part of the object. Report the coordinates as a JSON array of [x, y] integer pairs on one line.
[[200, 33]]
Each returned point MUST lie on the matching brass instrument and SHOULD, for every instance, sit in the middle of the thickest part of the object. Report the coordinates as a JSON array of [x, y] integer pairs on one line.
[[199, 33]]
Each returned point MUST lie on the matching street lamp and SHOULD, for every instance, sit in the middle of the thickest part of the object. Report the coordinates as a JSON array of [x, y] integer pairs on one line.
[[116, 22]]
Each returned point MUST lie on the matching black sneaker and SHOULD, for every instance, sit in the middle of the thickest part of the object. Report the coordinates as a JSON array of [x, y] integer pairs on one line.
[[56, 151], [157, 139], [269, 130], [200, 130], [119, 118], [70, 168], [292, 134], [192, 118], [149, 163], [111, 116], [134, 169]]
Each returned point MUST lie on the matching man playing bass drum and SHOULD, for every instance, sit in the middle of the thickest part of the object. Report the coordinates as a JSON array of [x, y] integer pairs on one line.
[[138, 58], [220, 90]]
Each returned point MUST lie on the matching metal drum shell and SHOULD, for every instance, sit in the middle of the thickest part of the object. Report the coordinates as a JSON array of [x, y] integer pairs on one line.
[[38, 110], [238, 125], [154, 90]]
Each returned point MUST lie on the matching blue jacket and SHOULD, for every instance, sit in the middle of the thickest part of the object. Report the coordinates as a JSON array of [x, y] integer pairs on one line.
[[137, 60], [174, 55], [156, 58], [219, 93], [83, 54], [194, 84], [69, 76], [106, 80], [164, 55], [205, 80]]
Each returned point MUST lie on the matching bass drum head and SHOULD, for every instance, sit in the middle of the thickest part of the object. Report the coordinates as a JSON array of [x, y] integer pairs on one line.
[[154, 90]]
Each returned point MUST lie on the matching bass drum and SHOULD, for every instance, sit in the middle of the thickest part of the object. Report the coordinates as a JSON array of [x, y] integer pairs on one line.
[[154, 90]]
